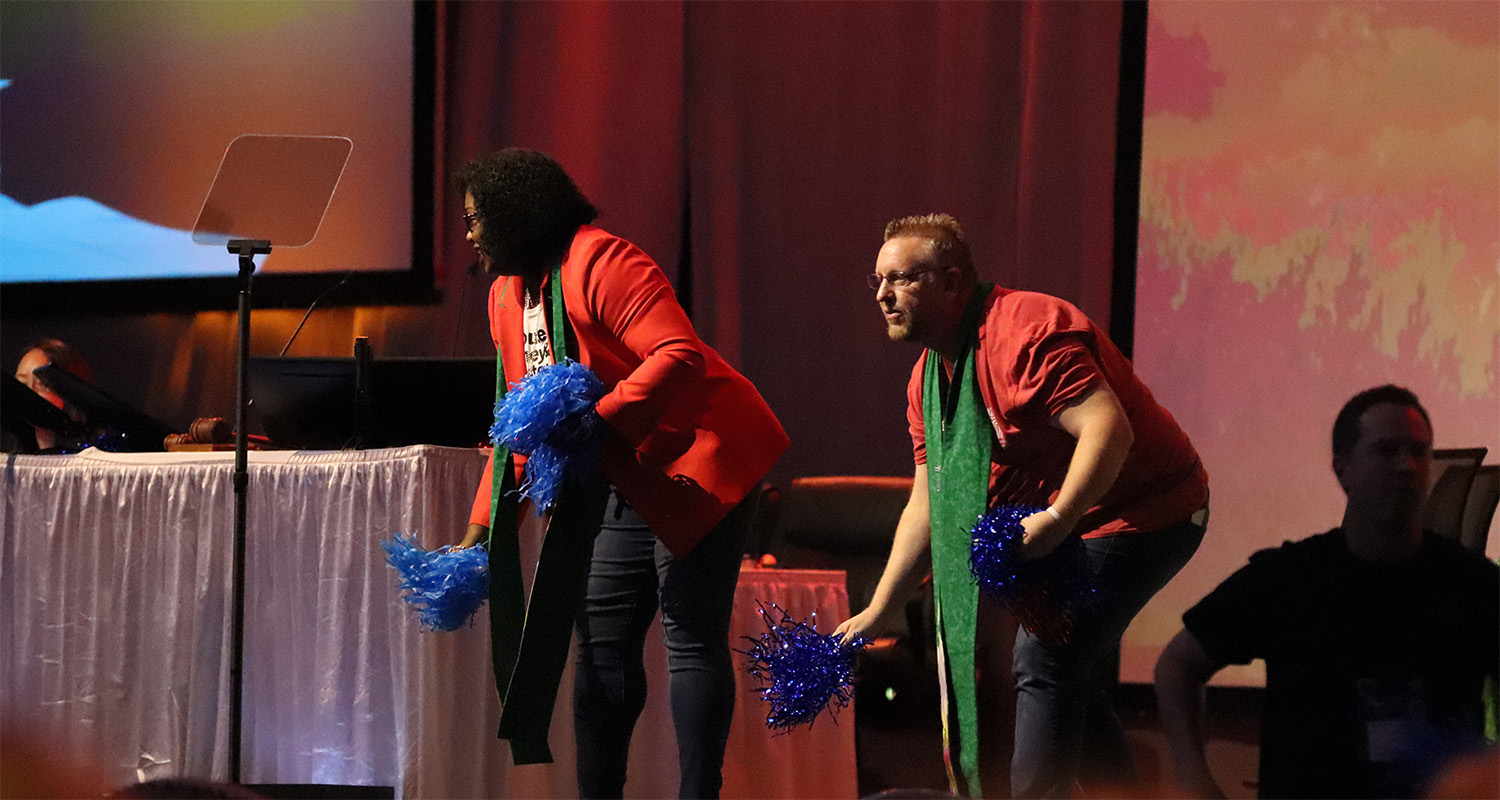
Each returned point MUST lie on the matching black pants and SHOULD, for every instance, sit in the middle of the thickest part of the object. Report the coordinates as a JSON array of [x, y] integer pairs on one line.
[[1065, 719], [632, 574]]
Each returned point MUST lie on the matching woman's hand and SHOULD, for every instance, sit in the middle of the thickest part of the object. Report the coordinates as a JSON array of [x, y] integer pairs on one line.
[[473, 535]]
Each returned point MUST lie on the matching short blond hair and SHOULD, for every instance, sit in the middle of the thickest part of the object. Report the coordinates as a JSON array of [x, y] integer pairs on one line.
[[949, 246]]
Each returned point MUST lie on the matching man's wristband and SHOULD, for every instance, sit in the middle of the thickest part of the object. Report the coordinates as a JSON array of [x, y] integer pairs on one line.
[[1055, 515]]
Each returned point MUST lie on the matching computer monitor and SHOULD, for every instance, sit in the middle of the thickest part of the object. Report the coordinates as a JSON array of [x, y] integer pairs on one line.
[[22, 411], [124, 427], [328, 404]]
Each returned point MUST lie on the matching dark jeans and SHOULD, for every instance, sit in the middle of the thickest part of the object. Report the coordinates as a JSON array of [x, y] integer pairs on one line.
[[631, 575], [1064, 712]]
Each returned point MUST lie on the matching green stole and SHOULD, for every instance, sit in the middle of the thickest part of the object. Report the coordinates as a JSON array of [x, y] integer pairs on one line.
[[529, 642], [958, 473]]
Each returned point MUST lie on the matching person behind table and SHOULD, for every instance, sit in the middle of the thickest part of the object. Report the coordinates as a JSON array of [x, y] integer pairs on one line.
[[54, 351], [687, 440], [1037, 408], [1377, 636]]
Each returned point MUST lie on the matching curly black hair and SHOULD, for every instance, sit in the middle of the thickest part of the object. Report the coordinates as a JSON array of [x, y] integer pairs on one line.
[[527, 203]]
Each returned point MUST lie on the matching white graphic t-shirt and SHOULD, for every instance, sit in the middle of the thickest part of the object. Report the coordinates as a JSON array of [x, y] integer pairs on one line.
[[532, 526], [538, 343]]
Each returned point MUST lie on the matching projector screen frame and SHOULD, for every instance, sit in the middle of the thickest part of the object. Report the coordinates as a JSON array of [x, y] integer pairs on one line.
[[414, 285]]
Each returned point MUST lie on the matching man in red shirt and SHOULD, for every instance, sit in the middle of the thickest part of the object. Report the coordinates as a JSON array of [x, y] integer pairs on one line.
[[686, 440], [1030, 404]]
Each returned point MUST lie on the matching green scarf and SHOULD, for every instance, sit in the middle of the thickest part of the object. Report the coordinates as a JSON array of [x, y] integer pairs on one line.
[[529, 642], [958, 473]]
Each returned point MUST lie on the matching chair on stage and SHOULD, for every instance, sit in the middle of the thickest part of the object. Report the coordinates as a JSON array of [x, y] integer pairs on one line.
[[840, 522], [1479, 511]]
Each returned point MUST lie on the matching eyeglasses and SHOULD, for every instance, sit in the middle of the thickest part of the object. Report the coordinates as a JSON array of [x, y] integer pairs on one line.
[[897, 280], [470, 217]]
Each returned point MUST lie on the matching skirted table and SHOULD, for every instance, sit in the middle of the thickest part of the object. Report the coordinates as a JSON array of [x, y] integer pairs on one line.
[[114, 576]]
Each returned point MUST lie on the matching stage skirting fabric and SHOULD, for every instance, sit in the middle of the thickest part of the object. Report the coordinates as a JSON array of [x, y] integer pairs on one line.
[[114, 578]]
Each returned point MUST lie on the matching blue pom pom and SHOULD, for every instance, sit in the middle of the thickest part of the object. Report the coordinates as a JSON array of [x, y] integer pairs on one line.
[[994, 556], [549, 417], [1046, 594], [444, 586], [801, 671]]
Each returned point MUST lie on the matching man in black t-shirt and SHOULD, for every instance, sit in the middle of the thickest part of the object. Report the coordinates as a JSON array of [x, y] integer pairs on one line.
[[1377, 637]]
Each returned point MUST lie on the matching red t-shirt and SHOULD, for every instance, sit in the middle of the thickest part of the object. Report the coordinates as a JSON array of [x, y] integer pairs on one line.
[[1036, 354]]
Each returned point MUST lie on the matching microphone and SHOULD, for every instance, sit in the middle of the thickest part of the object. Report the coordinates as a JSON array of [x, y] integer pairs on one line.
[[310, 308], [463, 294]]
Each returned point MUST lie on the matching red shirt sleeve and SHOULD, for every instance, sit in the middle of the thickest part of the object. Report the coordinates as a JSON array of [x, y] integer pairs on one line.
[[1054, 373], [480, 511], [914, 412]]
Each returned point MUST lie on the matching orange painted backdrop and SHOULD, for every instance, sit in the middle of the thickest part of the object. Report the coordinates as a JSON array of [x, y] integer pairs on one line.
[[1320, 213]]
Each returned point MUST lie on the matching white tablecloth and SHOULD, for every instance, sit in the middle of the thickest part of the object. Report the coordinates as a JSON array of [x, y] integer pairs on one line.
[[114, 572]]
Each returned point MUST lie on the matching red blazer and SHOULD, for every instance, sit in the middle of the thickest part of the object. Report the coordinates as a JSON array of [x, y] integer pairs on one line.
[[695, 437]]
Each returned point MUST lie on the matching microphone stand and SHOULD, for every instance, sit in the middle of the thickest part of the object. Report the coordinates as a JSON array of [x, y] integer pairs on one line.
[[246, 249]]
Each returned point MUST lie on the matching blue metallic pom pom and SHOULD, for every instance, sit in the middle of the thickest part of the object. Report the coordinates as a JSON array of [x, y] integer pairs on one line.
[[549, 417], [800, 670], [1046, 594], [994, 556], [444, 586]]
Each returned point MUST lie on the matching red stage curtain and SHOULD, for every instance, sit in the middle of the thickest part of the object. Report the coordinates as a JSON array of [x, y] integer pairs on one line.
[[597, 85], [756, 150]]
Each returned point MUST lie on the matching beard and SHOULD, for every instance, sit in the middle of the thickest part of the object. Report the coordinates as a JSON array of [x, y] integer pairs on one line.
[[903, 329], [898, 331]]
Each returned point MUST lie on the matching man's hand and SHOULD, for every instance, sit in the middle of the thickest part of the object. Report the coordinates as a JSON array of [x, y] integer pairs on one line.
[[1042, 533], [908, 563], [866, 623]]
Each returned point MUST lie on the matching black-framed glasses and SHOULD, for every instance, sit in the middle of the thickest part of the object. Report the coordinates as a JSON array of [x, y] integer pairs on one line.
[[470, 217], [897, 279]]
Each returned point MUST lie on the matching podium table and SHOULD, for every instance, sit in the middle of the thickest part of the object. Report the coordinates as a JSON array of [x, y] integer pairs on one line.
[[114, 573]]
